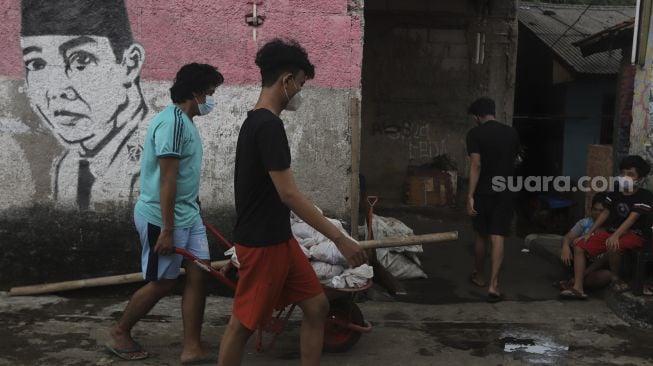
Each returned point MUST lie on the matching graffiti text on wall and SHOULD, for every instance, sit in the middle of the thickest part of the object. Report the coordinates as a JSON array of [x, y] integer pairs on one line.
[[416, 135]]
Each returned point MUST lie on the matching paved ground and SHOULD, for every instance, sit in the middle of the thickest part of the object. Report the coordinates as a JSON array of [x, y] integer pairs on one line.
[[57, 331], [525, 277], [442, 320]]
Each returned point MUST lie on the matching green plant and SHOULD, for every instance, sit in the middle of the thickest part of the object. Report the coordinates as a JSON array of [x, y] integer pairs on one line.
[[443, 162]]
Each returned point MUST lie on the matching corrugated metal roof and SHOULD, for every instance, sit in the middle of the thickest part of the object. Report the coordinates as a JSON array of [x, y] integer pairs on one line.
[[550, 21], [616, 37]]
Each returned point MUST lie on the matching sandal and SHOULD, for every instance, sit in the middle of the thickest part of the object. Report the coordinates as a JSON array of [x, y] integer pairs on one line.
[[128, 354], [494, 297], [573, 294], [647, 290], [564, 284]]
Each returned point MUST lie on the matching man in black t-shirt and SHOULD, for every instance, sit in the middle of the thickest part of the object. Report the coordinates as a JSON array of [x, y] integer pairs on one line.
[[273, 269], [627, 217], [492, 149]]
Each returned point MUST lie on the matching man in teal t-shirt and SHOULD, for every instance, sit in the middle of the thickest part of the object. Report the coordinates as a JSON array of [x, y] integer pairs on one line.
[[167, 214], [171, 135]]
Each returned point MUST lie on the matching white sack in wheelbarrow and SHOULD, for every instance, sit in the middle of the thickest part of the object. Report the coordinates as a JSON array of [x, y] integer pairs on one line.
[[327, 252], [231, 254], [326, 259], [353, 277], [307, 236], [326, 271], [402, 262]]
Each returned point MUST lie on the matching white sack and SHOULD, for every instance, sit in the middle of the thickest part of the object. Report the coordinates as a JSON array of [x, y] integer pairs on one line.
[[353, 277], [326, 271], [327, 252]]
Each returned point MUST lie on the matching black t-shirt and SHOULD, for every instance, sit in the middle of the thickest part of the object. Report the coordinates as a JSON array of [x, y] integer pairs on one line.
[[262, 147], [621, 205], [498, 145]]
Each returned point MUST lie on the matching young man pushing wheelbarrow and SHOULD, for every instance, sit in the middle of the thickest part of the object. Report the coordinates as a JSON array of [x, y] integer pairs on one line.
[[273, 269]]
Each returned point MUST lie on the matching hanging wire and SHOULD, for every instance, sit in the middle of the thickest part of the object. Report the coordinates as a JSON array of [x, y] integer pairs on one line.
[[573, 24]]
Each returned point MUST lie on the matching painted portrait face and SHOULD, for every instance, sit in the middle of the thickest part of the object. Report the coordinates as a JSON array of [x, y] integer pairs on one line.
[[75, 84]]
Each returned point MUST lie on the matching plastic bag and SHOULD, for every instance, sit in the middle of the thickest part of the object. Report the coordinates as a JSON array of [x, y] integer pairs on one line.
[[231, 254]]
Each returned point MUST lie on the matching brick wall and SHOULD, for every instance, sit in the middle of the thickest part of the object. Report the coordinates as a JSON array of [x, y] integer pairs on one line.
[[624, 113]]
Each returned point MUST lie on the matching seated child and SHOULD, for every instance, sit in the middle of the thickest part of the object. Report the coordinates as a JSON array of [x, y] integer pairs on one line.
[[627, 220], [596, 276]]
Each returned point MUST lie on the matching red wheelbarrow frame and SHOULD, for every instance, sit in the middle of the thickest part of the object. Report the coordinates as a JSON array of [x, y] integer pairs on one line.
[[344, 325]]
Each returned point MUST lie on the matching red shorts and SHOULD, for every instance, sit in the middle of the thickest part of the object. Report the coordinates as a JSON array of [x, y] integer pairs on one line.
[[270, 278], [595, 245]]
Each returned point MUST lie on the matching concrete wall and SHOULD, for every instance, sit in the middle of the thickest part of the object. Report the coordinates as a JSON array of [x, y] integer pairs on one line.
[[420, 75], [641, 130], [91, 100]]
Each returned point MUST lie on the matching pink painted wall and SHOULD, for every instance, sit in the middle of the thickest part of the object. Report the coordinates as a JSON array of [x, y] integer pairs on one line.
[[175, 32]]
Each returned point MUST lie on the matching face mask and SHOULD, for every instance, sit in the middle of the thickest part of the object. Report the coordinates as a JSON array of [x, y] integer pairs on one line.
[[626, 184], [206, 107], [296, 101]]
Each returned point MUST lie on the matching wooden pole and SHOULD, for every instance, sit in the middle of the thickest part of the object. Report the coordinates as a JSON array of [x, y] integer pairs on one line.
[[138, 277], [410, 240], [354, 120], [89, 282]]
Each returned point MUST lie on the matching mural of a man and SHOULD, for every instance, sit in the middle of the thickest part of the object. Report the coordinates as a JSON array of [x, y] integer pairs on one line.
[[82, 71]]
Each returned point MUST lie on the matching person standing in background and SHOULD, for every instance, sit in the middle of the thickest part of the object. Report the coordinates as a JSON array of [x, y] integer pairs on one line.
[[492, 147]]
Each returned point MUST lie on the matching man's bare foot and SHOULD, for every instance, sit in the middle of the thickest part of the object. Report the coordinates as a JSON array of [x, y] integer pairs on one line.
[[197, 356], [494, 287], [477, 279], [124, 346]]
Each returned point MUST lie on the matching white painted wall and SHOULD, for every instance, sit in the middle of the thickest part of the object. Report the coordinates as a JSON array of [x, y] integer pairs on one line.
[[318, 134]]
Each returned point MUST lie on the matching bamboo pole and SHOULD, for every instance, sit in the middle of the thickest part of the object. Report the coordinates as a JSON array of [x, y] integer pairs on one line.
[[138, 277], [88, 282], [410, 240]]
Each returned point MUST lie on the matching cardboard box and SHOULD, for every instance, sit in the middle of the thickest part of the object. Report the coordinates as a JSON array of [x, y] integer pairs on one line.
[[430, 187]]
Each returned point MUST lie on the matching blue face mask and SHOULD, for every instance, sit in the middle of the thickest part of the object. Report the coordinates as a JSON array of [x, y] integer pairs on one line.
[[206, 107]]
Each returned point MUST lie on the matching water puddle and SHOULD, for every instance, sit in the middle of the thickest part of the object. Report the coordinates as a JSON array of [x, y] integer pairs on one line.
[[535, 348]]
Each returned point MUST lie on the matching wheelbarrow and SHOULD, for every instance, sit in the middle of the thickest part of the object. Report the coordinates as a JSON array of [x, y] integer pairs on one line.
[[345, 322]]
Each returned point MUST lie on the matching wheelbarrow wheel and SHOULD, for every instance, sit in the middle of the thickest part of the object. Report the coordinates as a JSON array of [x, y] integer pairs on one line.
[[338, 339]]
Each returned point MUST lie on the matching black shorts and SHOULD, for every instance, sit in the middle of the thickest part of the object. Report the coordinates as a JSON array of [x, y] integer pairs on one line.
[[495, 212]]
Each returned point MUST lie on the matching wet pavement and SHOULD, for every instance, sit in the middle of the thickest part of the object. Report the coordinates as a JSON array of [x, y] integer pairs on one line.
[[524, 277], [57, 331], [443, 320]]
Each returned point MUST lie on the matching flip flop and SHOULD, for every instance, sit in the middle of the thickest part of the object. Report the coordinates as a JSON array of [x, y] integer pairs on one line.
[[124, 353], [475, 281], [573, 294], [620, 286], [647, 290], [494, 298], [211, 359], [563, 285]]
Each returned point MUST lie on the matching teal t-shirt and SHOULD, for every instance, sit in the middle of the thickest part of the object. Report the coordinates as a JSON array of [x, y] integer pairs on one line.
[[171, 134]]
